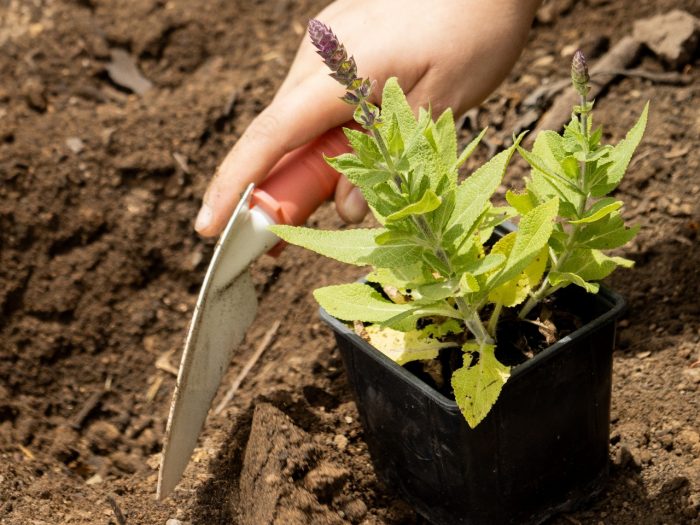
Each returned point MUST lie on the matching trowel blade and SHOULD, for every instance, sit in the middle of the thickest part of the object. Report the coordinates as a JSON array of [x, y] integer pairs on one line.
[[225, 309]]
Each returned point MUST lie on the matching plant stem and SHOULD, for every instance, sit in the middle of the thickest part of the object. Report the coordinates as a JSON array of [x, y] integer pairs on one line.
[[493, 321]]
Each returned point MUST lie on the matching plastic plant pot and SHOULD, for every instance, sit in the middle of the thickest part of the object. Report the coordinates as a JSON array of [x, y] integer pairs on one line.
[[542, 449]]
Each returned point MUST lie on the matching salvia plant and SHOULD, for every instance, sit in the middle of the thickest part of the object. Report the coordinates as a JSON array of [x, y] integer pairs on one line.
[[437, 278]]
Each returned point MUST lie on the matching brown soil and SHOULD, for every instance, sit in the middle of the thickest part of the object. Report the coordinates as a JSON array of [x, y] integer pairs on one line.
[[99, 270]]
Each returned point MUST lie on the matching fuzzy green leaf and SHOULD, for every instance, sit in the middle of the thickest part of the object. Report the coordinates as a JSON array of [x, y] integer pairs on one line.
[[438, 290], [592, 265], [404, 347], [357, 172], [621, 156], [485, 264], [364, 147], [600, 209], [477, 387], [473, 195], [515, 290], [533, 233], [394, 103], [522, 202], [358, 302], [467, 152], [426, 204], [607, 233], [356, 246], [562, 279]]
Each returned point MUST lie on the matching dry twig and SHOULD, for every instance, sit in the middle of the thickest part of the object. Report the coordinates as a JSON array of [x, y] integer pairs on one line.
[[117, 511], [267, 339]]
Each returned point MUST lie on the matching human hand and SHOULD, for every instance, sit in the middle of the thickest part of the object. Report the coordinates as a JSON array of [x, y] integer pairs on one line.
[[453, 53]]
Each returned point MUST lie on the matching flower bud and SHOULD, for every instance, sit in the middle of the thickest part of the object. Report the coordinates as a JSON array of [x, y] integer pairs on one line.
[[579, 73]]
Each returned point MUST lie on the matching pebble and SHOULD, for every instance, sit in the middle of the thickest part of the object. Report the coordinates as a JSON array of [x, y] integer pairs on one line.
[[692, 374], [341, 442], [355, 510], [34, 92], [75, 144], [103, 436], [174, 521]]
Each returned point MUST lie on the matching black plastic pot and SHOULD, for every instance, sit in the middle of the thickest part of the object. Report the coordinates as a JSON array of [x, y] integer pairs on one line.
[[542, 449]]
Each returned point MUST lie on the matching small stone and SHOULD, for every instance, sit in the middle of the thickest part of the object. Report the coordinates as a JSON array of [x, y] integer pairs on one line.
[[688, 438], [355, 510], [34, 93], [673, 36], [103, 436], [543, 61], [625, 456], [692, 374], [341, 442], [174, 521], [94, 480], [645, 456], [75, 144]]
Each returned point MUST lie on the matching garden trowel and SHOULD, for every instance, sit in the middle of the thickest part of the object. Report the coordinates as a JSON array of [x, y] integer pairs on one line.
[[227, 301]]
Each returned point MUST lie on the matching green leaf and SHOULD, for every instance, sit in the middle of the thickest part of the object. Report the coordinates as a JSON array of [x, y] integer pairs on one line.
[[428, 202], [468, 284], [394, 104], [477, 387], [364, 146], [562, 279], [592, 265], [533, 233], [621, 156], [600, 209], [438, 290], [358, 302], [474, 193], [357, 173], [356, 246], [404, 347], [607, 233], [467, 152], [485, 264], [420, 156], [515, 291], [394, 139], [399, 277], [444, 138], [522, 202]]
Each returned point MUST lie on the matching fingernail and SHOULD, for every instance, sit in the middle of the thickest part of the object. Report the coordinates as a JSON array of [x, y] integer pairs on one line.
[[203, 218], [354, 206]]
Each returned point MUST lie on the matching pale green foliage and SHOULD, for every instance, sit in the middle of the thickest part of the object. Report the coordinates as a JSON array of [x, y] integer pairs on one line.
[[431, 259], [407, 346], [478, 386], [578, 171]]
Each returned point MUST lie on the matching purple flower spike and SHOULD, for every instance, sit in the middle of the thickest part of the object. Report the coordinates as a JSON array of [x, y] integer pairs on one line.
[[343, 68], [579, 73]]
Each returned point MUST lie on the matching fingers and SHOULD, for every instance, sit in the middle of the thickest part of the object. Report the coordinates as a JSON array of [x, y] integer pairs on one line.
[[349, 202], [292, 120]]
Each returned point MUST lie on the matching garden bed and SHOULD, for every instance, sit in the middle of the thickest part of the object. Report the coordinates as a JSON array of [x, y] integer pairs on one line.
[[99, 270]]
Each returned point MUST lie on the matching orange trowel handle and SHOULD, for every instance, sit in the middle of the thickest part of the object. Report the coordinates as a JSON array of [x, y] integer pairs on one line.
[[302, 180]]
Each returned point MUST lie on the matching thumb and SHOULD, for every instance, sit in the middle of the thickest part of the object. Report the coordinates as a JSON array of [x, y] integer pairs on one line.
[[292, 120]]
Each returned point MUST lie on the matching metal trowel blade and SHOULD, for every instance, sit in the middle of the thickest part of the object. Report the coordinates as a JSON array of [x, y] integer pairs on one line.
[[225, 308]]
